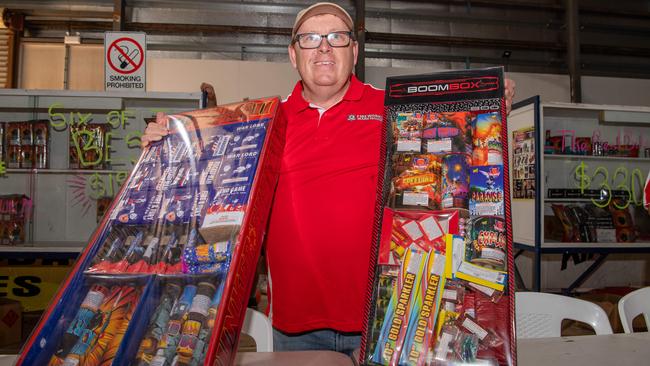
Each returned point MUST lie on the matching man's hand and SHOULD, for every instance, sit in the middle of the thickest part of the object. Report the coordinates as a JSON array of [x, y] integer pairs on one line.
[[155, 131], [212, 97], [510, 93]]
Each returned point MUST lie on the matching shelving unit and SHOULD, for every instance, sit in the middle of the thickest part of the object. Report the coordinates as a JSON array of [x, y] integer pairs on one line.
[[64, 209], [619, 126]]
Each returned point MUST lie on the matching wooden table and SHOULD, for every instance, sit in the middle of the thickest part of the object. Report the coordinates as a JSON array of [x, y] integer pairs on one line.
[[302, 358], [615, 349]]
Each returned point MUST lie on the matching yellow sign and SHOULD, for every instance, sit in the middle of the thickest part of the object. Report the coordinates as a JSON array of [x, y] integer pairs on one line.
[[33, 286]]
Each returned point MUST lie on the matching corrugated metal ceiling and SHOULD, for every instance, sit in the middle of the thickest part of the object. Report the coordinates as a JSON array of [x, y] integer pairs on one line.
[[449, 34]]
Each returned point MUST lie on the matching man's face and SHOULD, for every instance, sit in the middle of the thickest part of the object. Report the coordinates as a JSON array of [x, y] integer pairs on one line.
[[325, 65]]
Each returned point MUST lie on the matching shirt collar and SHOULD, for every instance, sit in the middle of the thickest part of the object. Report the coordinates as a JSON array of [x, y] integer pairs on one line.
[[354, 92]]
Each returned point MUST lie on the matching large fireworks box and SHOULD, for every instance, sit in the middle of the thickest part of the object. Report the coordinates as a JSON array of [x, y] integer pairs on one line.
[[166, 277], [442, 290]]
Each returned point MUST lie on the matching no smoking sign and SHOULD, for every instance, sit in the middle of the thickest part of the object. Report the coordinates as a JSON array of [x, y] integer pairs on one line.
[[125, 61]]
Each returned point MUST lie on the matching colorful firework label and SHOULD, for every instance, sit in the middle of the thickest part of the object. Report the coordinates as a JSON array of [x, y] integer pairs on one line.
[[408, 132], [425, 309], [488, 236], [393, 331], [455, 180], [488, 149], [486, 193], [447, 132], [417, 180]]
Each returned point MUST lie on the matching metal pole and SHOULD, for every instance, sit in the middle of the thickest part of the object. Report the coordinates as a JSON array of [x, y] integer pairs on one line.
[[360, 21], [66, 66], [118, 15], [573, 49]]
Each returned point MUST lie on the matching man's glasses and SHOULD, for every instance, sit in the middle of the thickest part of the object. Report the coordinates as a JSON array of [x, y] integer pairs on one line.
[[314, 40]]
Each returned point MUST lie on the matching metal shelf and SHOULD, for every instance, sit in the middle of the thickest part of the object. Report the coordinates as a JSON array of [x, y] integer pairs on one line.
[[567, 199], [592, 157], [44, 247], [551, 169], [60, 171], [605, 245]]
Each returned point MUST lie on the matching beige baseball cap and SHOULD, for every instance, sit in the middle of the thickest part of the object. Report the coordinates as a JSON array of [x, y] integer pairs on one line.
[[318, 9]]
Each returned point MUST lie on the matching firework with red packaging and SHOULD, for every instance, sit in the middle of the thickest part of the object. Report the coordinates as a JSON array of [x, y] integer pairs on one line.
[[87, 146], [40, 157], [12, 133], [170, 261], [447, 132], [488, 148], [407, 129], [26, 135], [455, 180], [27, 160], [464, 127], [488, 242], [109, 259], [149, 257], [134, 252], [14, 156], [16, 231], [424, 228], [41, 133], [225, 214], [416, 182], [14, 212]]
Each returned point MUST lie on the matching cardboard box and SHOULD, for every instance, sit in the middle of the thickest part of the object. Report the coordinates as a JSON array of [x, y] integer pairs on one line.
[[11, 314]]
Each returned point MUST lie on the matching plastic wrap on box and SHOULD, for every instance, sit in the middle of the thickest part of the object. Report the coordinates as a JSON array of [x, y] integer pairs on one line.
[[181, 241], [456, 309]]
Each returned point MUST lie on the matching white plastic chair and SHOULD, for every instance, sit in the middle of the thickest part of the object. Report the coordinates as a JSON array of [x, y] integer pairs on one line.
[[631, 305], [540, 315], [258, 326]]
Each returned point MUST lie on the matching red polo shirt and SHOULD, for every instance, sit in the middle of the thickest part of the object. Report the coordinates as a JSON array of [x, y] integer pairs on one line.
[[319, 238]]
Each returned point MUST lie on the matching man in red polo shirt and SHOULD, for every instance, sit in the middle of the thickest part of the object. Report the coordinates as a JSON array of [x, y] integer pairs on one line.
[[319, 238]]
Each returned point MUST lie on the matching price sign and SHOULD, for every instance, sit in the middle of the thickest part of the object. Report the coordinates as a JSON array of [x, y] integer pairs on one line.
[[621, 181], [106, 188]]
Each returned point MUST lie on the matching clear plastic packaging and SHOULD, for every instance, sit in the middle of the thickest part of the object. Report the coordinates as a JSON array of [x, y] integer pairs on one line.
[[445, 193], [189, 220]]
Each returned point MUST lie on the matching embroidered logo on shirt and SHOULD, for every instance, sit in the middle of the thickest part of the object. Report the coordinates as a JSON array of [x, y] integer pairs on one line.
[[365, 117]]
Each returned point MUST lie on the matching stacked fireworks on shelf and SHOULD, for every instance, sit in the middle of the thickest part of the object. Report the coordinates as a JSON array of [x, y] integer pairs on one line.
[[442, 254], [187, 222], [89, 146], [15, 211], [26, 144]]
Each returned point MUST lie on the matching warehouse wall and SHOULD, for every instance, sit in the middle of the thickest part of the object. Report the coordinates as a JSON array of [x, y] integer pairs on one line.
[[42, 67]]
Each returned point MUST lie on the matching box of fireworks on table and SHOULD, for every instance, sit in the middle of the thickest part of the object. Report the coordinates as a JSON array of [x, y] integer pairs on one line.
[[166, 277], [443, 288]]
